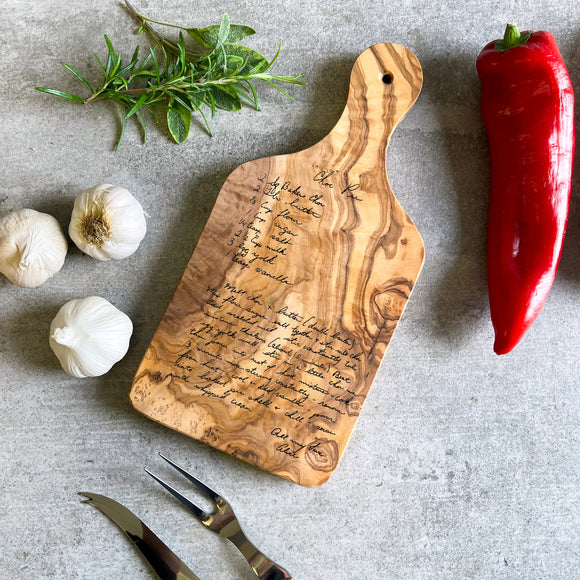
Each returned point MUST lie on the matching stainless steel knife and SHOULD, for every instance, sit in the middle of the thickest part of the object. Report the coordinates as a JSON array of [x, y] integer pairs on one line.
[[165, 563]]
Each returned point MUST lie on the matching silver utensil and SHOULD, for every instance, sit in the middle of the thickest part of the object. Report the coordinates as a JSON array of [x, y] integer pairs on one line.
[[166, 564], [224, 522]]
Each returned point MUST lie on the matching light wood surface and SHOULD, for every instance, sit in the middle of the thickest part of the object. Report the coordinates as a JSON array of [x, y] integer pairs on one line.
[[275, 332]]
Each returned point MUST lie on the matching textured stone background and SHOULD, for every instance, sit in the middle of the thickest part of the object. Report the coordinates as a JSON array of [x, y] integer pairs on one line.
[[462, 465]]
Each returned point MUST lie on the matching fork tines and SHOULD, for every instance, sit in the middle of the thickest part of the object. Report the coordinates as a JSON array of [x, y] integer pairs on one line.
[[204, 489]]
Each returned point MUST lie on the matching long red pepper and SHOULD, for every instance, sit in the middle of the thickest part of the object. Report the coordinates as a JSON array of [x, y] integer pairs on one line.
[[527, 105]]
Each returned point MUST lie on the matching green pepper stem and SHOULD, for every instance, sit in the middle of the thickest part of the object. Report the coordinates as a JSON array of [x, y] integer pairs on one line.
[[512, 38]]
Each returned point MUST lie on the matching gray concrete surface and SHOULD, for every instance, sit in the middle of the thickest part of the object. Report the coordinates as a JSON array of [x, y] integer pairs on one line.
[[462, 465]]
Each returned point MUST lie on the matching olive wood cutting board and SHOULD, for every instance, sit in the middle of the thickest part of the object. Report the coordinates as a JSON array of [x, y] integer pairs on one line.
[[275, 332]]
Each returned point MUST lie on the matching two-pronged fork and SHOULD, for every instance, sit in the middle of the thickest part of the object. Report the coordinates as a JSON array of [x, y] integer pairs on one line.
[[224, 522]]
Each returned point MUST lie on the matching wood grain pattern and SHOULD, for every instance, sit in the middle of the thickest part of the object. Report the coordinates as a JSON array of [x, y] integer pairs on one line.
[[275, 332]]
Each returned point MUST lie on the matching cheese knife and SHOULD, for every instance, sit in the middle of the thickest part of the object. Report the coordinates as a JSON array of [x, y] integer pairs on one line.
[[164, 562]]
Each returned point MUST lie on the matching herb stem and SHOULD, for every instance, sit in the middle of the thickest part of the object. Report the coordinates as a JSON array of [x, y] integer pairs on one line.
[[96, 96], [144, 18], [182, 84]]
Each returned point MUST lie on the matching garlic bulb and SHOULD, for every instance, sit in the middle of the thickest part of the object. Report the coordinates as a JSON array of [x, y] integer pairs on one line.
[[107, 223], [32, 247], [89, 336]]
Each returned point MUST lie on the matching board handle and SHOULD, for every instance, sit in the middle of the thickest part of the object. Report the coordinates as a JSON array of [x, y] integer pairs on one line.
[[385, 82]]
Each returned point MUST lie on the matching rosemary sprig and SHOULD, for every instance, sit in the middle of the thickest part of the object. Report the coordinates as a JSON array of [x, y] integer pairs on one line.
[[215, 72]]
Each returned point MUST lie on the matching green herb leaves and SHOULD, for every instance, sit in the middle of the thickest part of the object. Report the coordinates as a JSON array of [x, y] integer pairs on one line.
[[178, 122], [212, 72], [210, 36], [62, 94]]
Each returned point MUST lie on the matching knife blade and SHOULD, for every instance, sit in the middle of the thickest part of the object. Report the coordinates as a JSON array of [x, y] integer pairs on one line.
[[164, 562]]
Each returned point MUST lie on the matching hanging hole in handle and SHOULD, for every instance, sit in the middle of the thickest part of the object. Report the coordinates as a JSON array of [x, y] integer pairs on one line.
[[387, 77]]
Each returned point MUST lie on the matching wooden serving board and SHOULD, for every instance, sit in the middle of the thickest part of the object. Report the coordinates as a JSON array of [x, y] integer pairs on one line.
[[275, 332]]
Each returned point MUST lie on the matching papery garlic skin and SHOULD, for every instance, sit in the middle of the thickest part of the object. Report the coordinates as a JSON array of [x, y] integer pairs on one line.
[[89, 335], [107, 222], [32, 247]]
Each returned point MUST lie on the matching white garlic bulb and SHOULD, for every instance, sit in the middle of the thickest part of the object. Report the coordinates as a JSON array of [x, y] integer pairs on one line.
[[32, 247], [107, 222], [89, 336]]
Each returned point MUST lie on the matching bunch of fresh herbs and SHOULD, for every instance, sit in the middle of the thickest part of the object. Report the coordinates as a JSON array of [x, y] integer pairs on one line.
[[213, 72]]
